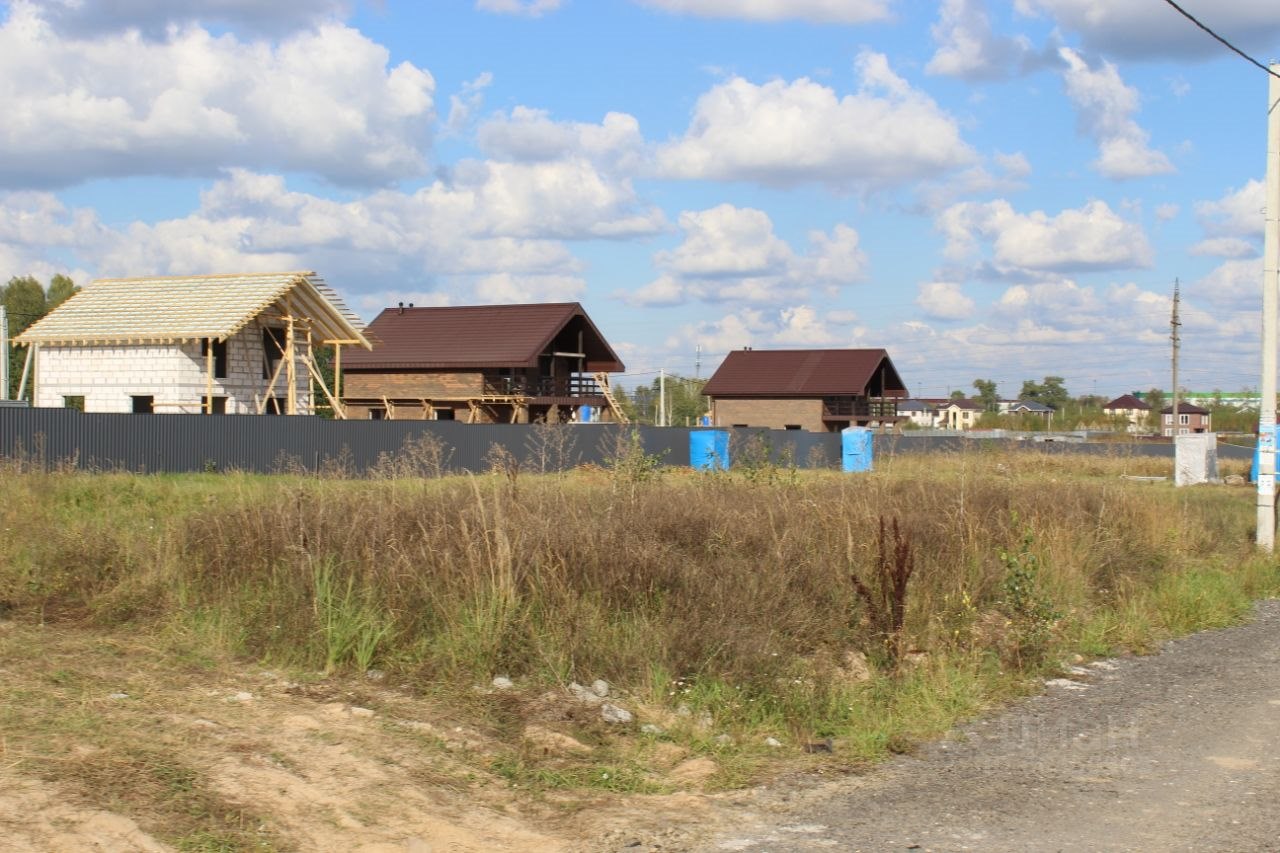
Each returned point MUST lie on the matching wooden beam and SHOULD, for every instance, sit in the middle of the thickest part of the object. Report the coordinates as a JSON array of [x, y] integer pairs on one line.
[[291, 369], [337, 369], [271, 387], [26, 370], [338, 412], [208, 376]]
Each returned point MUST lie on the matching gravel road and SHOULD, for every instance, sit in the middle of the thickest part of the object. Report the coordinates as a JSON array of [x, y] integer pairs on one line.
[[1179, 751]]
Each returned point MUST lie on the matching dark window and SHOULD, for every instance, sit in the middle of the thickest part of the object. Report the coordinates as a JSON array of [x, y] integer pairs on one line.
[[219, 405], [143, 404], [793, 426], [739, 426], [272, 350], [74, 402], [275, 406], [377, 414], [444, 414], [219, 357]]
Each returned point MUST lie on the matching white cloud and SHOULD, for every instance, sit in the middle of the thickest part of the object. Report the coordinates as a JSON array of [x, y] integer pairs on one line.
[[529, 8], [1167, 212], [784, 134], [731, 254], [1239, 213], [154, 17], [1225, 247], [531, 135], [967, 46], [324, 101], [792, 326], [464, 105], [1140, 29], [1092, 237], [944, 300], [1007, 177], [508, 288], [1105, 105], [1236, 283], [818, 11]]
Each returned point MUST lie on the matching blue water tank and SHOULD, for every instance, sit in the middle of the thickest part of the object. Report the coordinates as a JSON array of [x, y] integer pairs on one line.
[[709, 449], [856, 449], [584, 414]]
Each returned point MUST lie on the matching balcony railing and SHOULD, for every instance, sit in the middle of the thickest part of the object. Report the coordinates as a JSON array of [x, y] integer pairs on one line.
[[545, 386], [859, 407]]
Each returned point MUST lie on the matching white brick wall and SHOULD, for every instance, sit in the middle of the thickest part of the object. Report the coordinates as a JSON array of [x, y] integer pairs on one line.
[[108, 377]]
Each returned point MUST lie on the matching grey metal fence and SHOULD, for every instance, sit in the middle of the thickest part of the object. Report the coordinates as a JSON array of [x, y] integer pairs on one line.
[[185, 443]]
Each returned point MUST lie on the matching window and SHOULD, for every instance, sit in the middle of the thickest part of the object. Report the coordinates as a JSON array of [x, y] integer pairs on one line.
[[1183, 430], [792, 426], [74, 402], [219, 357], [143, 404], [218, 405], [377, 414], [272, 350], [1184, 419], [444, 414], [275, 406]]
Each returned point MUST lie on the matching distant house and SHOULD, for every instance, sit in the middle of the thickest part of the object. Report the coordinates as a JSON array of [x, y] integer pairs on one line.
[[959, 414], [823, 390], [214, 344], [482, 364], [1132, 409], [1026, 407], [918, 413], [1191, 419]]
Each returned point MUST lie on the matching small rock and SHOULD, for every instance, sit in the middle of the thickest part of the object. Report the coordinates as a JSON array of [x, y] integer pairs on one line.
[[613, 714], [582, 694], [554, 742], [600, 687], [773, 742], [375, 674], [651, 729], [684, 710], [242, 696], [357, 711], [694, 770], [854, 667], [1066, 684], [118, 696], [501, 682]]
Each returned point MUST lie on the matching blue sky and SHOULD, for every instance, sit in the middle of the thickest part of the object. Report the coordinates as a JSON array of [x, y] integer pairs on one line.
[[987, 189]]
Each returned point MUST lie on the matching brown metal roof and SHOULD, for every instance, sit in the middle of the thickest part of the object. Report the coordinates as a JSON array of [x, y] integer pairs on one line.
[[480, 336], [1127, 401], [805, 373]]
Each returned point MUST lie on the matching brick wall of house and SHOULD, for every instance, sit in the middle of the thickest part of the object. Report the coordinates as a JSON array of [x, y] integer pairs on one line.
[[411, 384], [108, 377], [771, 413]]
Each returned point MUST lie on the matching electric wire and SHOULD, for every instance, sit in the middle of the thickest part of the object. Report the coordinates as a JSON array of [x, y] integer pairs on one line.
[[1227, 44]]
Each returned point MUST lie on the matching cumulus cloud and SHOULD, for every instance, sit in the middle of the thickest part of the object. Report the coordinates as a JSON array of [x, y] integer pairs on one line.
[[530, 135], [153, 18], [1092, 237], [323, 101], [1105, 106], [944, 300], [795, 326], [1225, 247], [528, 8], [732, 254], [784, 134], [1239, 213], [967, 46], [1139, 29], [464, 106], [817, 11]]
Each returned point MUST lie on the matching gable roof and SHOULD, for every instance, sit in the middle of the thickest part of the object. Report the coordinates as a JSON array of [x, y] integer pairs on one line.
[[914, 405], [1034, 406], [966, 404], [166, 309], [477, 336], [1127, 401], [1184, 408], [804, 373]]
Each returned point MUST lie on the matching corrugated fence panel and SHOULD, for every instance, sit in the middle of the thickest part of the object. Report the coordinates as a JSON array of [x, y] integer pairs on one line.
[[178, 443]]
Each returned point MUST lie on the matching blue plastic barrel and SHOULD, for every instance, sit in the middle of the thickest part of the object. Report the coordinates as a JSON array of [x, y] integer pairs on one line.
[[584, 414], [709, 449], [856, 449]]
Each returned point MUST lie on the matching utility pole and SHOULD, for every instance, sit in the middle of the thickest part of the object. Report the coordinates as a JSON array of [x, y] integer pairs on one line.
[[1266, 532], [1174, 323], [662, 397], [4, 355], [697, 362]]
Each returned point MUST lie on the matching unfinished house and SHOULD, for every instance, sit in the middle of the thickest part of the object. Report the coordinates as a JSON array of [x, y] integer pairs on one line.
[[212, 344], [483, 364], [824, 390]]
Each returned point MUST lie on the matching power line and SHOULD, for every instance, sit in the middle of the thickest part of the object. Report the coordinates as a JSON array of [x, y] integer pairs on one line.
[[1229, 45]]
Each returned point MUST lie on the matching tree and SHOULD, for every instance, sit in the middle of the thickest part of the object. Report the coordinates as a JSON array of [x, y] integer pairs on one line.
[[60, 289], [25, 301], [957, 394], [987, 394], [1155, 399], [1051, 392]]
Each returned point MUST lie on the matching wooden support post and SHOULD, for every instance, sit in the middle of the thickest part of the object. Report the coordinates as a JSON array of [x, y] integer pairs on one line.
[[291, 368], [337, 370], [311, 374], [338, 412], [26, 371]]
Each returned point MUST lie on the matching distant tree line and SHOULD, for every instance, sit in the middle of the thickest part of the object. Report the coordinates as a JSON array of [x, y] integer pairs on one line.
[[25, 301]]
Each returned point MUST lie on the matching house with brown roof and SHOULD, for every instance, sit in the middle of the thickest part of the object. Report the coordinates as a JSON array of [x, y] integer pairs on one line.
[[1191, 419], [1133, 410], [822, 390], [205, 344], [482, 364]]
